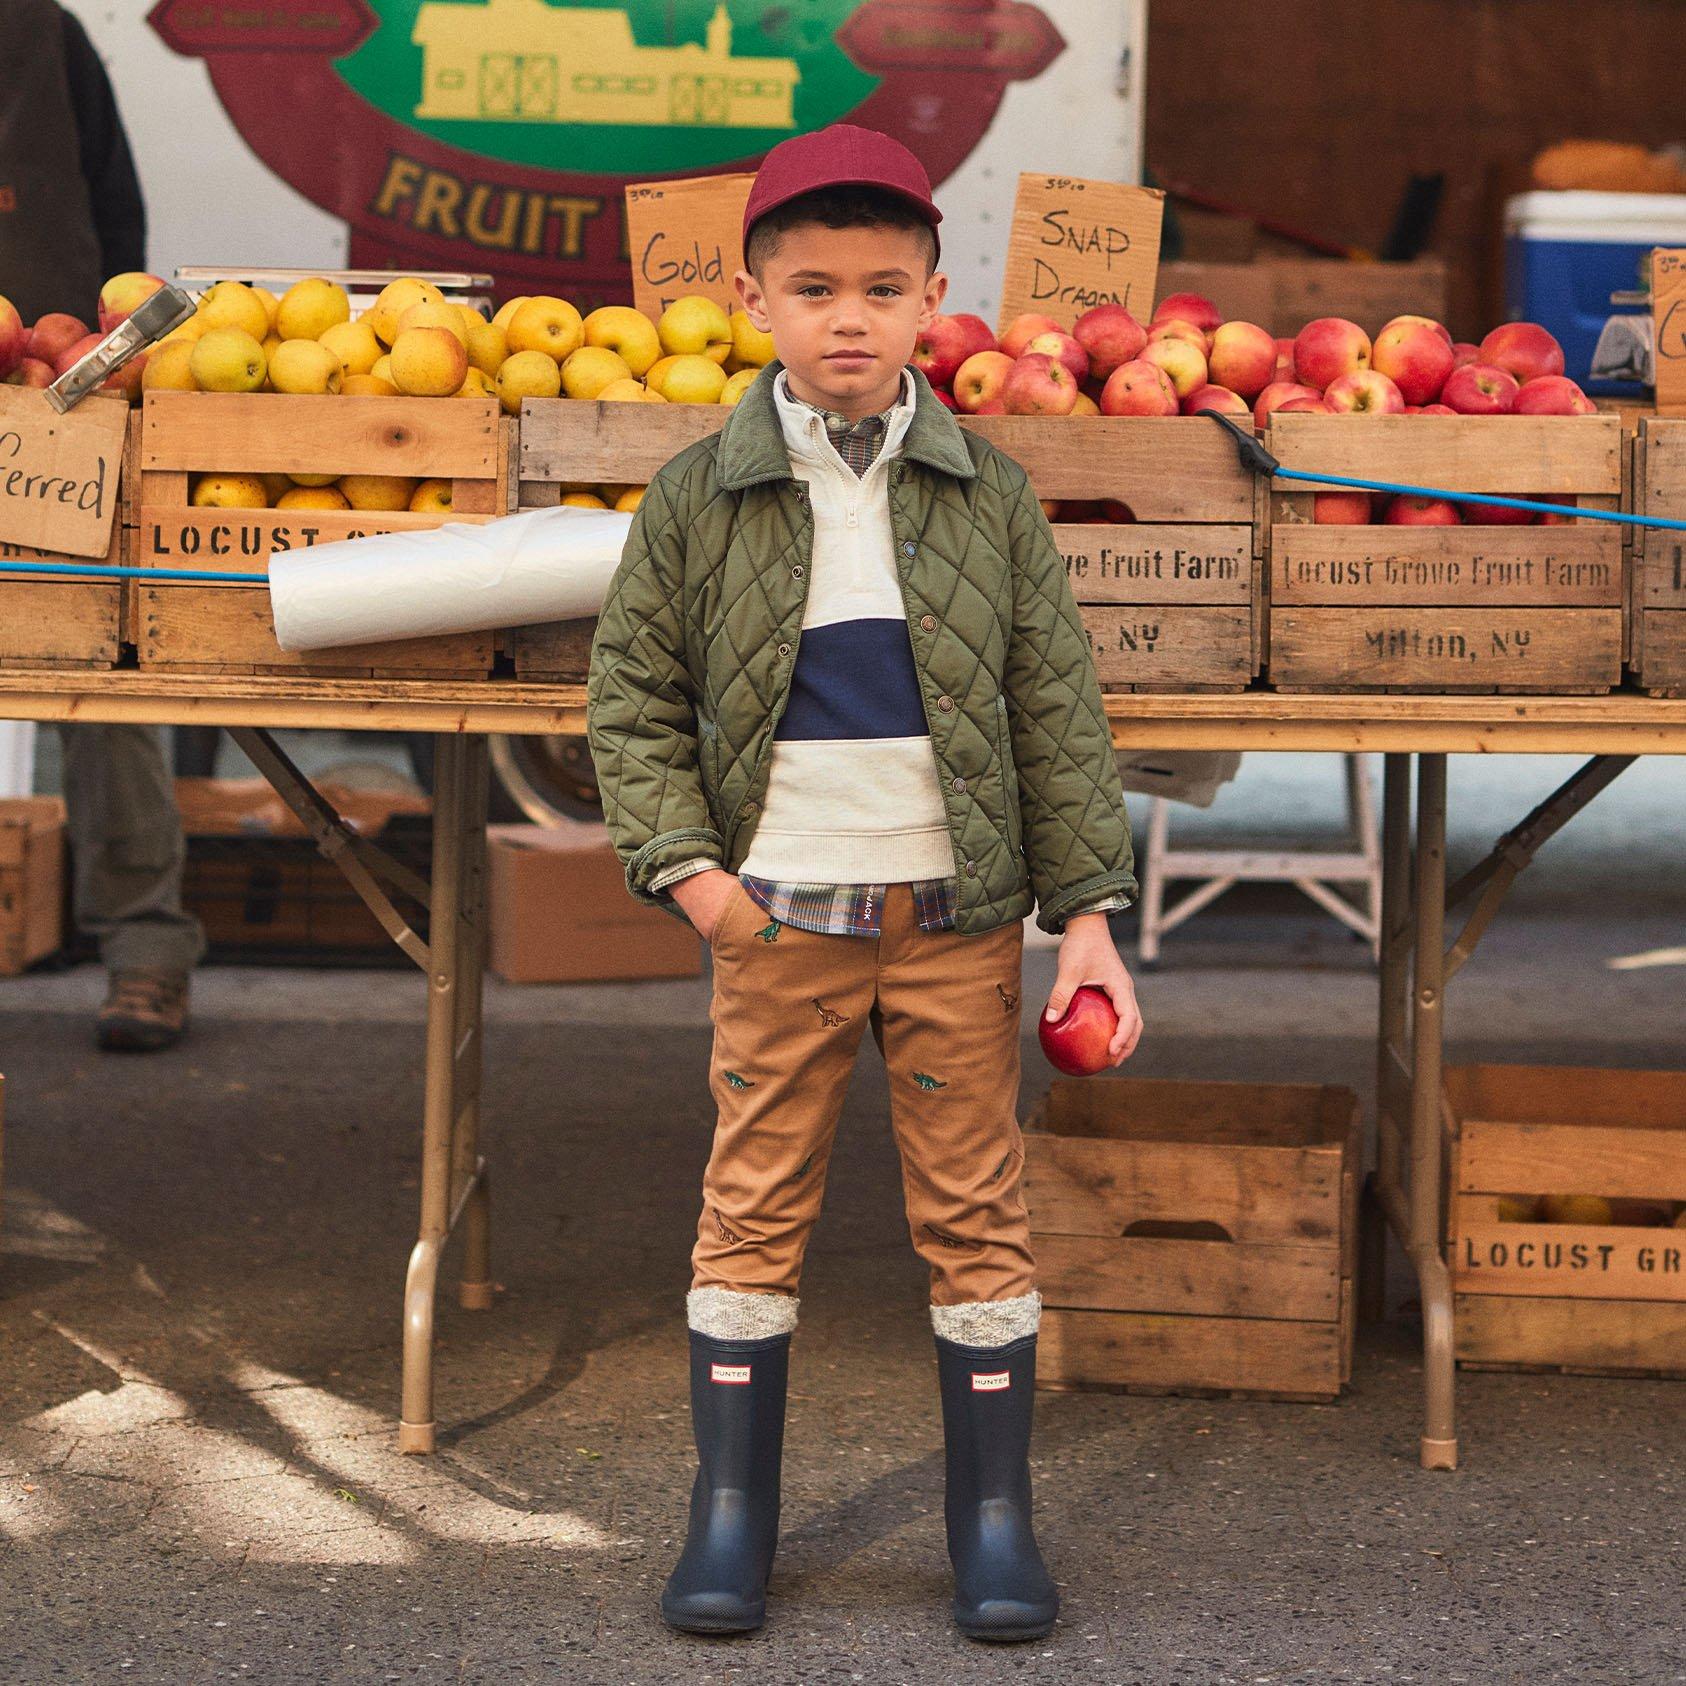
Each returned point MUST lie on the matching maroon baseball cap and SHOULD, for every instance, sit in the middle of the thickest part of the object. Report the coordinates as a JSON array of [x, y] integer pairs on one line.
[[839, 155]]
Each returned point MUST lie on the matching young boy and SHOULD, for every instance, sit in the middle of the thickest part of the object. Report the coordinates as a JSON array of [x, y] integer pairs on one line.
[[845, 721]]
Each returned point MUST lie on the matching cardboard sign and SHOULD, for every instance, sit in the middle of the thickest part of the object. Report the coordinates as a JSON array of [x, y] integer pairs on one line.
[[58, 474], [1668, 319], [1075, 244], [685, 237]]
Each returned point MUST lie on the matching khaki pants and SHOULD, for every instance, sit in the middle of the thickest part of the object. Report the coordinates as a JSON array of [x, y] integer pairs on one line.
[[789, 1008], [127, 845]]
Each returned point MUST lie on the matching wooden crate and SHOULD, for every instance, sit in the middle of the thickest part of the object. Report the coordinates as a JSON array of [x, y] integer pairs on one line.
[[1604, 1299], [1658, 650], [59, 620], [1170, 603], [31, 880], [197, 628], [1472, 608], [1195, 1237]]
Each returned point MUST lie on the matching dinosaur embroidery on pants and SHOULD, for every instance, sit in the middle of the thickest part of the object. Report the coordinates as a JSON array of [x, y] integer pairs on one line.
[[769, 933], [724, 1232], [926, 1081], [1009, 999], [828, 1018], [798, 1174], [999, 1168], [736, 1081], [943, 1238]]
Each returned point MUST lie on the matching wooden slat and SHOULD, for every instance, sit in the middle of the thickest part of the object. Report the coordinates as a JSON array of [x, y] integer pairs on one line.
[[1363, 566], [59, 621], [1663, 667], [1124, 1349], [1193, 562], [1664, 581], [1177, 644], [210, 627], [569, 439], [1082, 1186], [1507, 455], [1643, 1098], [1577, 1261], [280, 433], [1662, 478], [1268, 1117], [240, 541], [1624, 1336], [1633, 1163], [557, 649], [10, 553], [1213, 1278], [1174, 468], [1436, 648]]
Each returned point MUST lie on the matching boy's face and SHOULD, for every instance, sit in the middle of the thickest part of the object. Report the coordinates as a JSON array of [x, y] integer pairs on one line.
[[844, 307]]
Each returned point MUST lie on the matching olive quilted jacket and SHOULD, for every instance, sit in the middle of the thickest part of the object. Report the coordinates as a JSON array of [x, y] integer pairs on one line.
[[691, 664]]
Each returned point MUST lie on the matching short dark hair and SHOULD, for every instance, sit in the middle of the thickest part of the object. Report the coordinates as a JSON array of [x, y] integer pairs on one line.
[[837, 207]]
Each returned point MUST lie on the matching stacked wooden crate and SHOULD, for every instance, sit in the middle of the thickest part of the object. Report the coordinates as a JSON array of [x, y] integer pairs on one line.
[[1195, 1237], [189, 626], [1474, 607], [1564, 1220], [1659, 558]]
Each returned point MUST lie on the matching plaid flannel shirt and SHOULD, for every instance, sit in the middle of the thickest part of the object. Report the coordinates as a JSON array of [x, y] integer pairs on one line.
[[854, 910]]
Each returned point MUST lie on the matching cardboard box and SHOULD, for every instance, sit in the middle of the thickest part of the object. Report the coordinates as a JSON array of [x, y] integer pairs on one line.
[[560, 912], [31, 880]]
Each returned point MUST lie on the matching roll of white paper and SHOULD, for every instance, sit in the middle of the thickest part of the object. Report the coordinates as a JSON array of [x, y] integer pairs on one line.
[[540, 565]]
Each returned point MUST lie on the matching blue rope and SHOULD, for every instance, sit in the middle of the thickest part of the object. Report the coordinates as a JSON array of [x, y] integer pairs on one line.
[[1617, 515], [104, 572]]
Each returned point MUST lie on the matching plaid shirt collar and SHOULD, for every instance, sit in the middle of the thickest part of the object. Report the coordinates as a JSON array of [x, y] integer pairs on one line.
[[856, 442]]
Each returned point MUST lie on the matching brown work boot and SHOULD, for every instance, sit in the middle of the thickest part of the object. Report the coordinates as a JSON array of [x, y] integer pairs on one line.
[[144, 1012]]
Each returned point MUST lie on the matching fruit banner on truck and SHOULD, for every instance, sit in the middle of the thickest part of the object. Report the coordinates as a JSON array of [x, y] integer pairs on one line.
[[500, 135]]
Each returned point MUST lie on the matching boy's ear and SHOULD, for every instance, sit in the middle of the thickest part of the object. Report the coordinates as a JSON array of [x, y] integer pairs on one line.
[[752, 299], [930, 306]]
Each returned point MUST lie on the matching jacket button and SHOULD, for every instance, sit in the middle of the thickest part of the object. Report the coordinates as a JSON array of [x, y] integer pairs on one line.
[[929, 622], [971, 869], [796, 572], [959, 784], [909, 548], [750, 806], [784, 649], [946, 704]]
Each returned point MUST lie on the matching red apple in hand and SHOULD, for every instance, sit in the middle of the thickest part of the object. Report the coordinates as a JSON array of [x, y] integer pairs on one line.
[[1077, 1041]]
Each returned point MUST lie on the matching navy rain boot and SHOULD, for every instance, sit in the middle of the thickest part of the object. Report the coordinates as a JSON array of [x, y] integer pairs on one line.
[[1002, 1590], [719, 1584]]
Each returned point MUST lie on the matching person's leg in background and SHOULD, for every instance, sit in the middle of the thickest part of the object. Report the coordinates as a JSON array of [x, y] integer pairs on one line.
[[789, 1007], [128, 851], [947, 1022]]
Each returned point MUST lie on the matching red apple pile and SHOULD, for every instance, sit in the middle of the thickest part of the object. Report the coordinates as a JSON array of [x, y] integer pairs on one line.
[[1189, 359], [37, 356]]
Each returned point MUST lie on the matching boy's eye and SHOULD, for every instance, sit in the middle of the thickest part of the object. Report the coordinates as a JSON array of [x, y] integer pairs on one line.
[[882, 287]]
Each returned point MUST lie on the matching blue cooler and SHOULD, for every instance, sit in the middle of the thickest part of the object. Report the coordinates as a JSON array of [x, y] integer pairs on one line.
[[1566, 253]]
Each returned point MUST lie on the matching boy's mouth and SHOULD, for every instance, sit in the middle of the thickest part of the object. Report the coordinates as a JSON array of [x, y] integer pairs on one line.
[[848, 357]]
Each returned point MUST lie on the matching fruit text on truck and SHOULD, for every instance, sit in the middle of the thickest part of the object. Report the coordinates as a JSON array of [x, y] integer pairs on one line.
[[492, 216]]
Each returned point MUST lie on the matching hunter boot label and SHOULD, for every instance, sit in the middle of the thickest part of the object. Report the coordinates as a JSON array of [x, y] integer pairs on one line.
[[737, 1375], [991, 1381]]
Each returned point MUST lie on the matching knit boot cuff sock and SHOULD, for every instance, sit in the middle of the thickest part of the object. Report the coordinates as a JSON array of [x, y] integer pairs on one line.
[[723, 1314], [988, 1322]]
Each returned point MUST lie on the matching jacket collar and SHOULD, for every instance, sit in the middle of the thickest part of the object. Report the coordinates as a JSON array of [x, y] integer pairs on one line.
[[752, 444]]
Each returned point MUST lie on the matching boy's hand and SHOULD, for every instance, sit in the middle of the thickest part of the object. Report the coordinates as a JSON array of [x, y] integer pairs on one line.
[[1089, 956], [703, 897]]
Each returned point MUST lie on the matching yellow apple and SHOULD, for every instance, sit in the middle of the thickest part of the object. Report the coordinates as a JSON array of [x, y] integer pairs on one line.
[[427, 314], [230, 304], [270, 303], [737, 385], [428, 362], [471, 319], [367, 386], [308, 309], [656, 374], [694, 380], [313, 497], [627, 391], [583, 500], [190, 330], [304, 366], [382, 370], [627, 331], [591, 368], [229, 491], [506, 311], [696, 326], [378, 491], [1575, 1209], [477, 384], [228, 360], [168, 368], [276, 486], [629, 500], [528, 374], [313, 479], [752, 348], [488, 346], [354, 344], [395, 298], [431, 497], [546, 324]]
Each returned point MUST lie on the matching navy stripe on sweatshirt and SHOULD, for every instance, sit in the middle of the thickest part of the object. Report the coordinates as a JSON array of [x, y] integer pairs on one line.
[[854, 679]]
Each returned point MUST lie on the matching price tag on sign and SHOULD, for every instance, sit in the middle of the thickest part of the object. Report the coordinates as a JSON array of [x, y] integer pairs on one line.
[[1668, 318], [1075, 244], [58, 474], [686, 237]]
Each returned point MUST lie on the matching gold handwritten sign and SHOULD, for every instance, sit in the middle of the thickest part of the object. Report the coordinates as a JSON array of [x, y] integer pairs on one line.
[[685, 237], [1075, 244], [58, 474], [1668, 318]]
